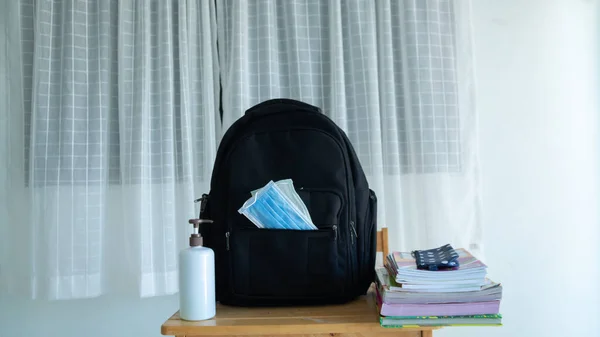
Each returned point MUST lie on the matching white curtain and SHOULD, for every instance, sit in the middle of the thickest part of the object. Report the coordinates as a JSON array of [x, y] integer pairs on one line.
[[120, 133], [395, 75], [110, 121]]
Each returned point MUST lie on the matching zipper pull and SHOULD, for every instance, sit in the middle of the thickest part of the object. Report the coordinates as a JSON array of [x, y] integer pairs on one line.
[[334, 232], [227, 240], [203, 200], [353, 231]]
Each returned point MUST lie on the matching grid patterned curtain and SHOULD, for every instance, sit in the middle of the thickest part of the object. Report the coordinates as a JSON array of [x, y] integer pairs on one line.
[[112, 119], [120, 134], [384, 70], [395, 75]]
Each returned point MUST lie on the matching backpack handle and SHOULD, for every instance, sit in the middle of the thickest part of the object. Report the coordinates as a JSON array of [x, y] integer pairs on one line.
[[279, 105]]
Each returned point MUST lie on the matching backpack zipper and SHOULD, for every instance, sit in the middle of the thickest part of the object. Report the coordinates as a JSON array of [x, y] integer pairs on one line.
[[355, 236], [203, 201], [227, 234]]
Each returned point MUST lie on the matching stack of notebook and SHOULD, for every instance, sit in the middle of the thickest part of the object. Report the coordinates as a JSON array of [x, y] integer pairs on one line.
[[408, 296]]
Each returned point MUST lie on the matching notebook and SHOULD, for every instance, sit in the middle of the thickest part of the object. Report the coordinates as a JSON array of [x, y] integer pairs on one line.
[[420, 321], [392, 292], [403, 266]]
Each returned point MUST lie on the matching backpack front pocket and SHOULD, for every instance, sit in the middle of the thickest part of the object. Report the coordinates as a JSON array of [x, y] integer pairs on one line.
[[285, 263]]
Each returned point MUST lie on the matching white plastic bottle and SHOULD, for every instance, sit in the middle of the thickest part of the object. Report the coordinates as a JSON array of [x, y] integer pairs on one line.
[[197, 278]]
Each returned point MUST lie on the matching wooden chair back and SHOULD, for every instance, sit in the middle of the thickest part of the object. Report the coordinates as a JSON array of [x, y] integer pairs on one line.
[[382, 242]]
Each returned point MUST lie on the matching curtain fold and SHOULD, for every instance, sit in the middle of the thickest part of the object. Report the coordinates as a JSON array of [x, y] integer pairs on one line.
[[13, 214], [395, 75]]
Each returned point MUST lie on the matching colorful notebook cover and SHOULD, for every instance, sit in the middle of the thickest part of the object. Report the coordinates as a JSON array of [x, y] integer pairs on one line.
[[403, 266], [392, 293], [422, 321], [437, 309]]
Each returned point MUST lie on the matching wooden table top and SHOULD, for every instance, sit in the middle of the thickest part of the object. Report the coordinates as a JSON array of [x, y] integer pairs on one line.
[[359, 316]]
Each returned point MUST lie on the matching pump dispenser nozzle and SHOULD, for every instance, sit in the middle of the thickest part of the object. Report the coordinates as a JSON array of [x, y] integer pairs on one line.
[[195, 238]]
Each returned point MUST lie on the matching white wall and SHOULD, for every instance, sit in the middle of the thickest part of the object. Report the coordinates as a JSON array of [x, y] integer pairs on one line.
[[537, 67]]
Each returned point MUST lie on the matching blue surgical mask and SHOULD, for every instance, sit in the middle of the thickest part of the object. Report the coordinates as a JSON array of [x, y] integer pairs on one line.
[[270, 208], [286, 186]]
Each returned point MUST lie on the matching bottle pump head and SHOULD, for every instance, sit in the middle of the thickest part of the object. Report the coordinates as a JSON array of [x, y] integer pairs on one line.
[[195, 238]]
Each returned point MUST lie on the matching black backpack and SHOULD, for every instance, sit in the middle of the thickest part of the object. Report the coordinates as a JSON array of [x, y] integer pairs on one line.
[[281, 139]]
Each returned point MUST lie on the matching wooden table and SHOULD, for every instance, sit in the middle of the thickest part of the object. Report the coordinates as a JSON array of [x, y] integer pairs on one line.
[[357, 318]]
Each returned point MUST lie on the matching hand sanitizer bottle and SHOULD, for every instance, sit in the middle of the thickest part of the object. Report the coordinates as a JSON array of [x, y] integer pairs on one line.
[[197, 278]]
